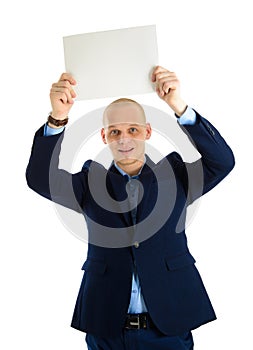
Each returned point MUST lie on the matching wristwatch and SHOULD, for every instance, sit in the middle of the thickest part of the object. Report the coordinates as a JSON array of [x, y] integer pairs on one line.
[[57, 122]]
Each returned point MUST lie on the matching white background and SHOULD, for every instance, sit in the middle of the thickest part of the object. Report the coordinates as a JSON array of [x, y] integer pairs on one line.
[[209, 45]]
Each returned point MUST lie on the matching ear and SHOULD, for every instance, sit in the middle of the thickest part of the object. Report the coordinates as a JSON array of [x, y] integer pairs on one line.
[[148, 131], [103, 135]]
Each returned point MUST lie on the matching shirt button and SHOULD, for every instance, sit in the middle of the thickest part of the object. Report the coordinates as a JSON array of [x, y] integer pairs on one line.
[[136, 244]]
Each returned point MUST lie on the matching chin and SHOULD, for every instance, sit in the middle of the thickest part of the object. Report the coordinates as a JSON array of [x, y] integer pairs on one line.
[[127, 161]]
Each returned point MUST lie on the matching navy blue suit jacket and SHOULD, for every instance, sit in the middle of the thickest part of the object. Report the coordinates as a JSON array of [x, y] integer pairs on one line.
[[171, 285]]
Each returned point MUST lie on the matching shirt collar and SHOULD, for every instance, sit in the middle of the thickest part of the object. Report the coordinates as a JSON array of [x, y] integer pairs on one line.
[[122, 172]]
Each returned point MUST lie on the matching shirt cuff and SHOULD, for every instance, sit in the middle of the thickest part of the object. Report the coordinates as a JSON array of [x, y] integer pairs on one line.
[[188, 117], [52, 131]]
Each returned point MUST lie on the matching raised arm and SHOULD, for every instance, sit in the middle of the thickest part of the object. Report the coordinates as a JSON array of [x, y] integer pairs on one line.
[[217, 158], [43, 174]]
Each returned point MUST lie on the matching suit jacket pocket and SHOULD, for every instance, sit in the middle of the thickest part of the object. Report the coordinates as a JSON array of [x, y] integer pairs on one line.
[[95, 266], [180, 261]]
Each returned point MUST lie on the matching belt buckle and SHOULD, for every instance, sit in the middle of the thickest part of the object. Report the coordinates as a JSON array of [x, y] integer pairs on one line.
[[136, 322]]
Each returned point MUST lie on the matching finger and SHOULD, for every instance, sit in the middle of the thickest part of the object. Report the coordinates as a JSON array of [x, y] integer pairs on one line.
[[58, 96], [158, 70], [160, 93], [154, 73], [63, 94], [73, 93], [164, 89], [64, 85], [169, 85], [68, 85], [68, 77], [171, 79], [166, 74], [165, 77], [168, 82]]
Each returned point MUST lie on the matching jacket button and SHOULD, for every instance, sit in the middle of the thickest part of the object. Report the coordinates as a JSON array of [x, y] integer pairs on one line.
[[211, 130], [136, 244]]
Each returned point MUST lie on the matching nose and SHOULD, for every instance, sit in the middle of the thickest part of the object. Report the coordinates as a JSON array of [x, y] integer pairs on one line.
[[123, 139]]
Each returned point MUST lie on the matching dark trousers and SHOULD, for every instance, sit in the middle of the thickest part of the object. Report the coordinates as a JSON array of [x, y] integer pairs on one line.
[[141, 339]]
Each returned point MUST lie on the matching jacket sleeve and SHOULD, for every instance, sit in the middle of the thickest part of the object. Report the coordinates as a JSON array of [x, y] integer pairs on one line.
[[216, 161], [44, 177]]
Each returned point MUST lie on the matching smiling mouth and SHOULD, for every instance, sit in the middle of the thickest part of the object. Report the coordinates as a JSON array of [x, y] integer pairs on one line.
[[125, 151]]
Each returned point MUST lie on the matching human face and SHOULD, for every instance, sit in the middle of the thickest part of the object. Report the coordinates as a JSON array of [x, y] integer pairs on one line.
[[125, 131]]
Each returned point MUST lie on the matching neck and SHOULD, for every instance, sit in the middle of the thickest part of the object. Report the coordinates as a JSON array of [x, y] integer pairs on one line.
[[131, 168]]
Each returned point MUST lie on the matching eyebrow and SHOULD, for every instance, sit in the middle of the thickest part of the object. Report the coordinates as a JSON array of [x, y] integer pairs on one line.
[[130, 125]]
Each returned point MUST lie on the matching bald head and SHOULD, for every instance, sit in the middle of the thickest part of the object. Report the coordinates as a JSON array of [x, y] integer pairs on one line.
[[124, 110]]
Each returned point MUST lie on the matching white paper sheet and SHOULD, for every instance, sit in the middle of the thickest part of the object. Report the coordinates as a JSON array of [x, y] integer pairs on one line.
[[112, 63]]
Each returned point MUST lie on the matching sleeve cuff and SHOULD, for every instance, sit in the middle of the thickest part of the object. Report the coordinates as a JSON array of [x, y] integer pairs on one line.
[[52, 131], [188, 117]]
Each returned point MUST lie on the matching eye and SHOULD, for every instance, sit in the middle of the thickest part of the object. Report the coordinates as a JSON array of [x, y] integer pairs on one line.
[[114, 132], [133, 130]]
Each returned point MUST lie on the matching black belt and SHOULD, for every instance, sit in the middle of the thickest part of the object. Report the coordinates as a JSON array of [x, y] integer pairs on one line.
[[138, 321]]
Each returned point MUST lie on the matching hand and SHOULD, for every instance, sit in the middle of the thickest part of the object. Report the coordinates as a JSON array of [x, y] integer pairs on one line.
[[62, 95], [168, 89]]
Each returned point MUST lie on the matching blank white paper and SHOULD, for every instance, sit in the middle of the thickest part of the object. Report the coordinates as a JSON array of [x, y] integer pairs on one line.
[[112, 63]]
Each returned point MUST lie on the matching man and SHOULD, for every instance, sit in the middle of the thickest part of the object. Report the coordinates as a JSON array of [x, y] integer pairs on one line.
[[140, 289]]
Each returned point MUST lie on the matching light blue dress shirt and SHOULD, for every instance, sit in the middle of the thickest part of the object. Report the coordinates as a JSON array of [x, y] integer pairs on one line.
[[137, 303]]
